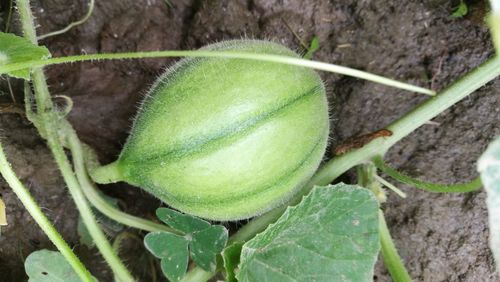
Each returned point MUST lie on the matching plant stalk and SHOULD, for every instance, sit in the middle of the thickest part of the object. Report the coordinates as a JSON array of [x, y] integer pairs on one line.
[[473, 185], [97, 201], [73, 24], [390, 254], [34, 210], [49, 120], [221, 54]]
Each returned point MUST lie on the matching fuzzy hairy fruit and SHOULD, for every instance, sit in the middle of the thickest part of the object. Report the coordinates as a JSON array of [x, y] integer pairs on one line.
[[226, 139]]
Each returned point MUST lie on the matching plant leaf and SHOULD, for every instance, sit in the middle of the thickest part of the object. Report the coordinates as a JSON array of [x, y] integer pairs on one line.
[[172, 250], [182, 222], [460, 11], [332, 235], [206, 245], [231, 257], [313, 47], [16, 49], [49, 266], [489, 167], [203, 240]]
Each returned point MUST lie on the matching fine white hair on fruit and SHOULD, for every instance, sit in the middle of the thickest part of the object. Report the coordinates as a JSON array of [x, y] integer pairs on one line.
[[226, 139]]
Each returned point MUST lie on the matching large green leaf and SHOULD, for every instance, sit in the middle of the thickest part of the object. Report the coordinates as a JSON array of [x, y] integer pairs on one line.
[[15, 49], [489, 167], [49, 266], [332, 235]]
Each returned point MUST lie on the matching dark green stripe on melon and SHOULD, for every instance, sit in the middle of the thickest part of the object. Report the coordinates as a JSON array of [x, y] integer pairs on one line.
[[227, 139]]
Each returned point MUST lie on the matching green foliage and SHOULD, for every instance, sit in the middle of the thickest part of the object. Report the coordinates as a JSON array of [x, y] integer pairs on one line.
[[313, 47], [473, 185], [15, 49], [229, 124], [49, 266], [206, 245], [332, 235], [489, 166], [182, 222], [172, 250], [460, 11], [202, 240]]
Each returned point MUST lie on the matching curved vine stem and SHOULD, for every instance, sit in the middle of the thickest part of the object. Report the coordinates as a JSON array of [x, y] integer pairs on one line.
[[474, 185], [34, 210], [71, 25], [221, 54], [97, 201], [50, 122], [102, 243]]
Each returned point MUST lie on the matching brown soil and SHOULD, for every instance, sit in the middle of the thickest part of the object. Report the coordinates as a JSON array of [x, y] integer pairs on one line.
[[440, 237]]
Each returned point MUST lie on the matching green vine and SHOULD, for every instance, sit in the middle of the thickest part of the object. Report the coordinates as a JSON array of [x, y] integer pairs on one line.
[[71, 25], [217, 54], [34, 210], [49, 123], [390, 254], [474, 185], [97, 201]]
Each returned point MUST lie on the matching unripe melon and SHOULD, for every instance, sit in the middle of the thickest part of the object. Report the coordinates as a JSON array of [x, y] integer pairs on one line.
[[226, 139]]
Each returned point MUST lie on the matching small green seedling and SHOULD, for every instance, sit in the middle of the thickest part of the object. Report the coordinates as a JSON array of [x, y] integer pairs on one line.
[[226, 139], [201, 239], [313, 47], [460, 11]]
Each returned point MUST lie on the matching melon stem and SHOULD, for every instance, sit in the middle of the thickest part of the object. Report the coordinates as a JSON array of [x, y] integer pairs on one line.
[[109, 173]]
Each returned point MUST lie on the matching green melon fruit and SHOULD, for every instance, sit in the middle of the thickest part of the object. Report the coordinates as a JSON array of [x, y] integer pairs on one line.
[[226, 139]]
